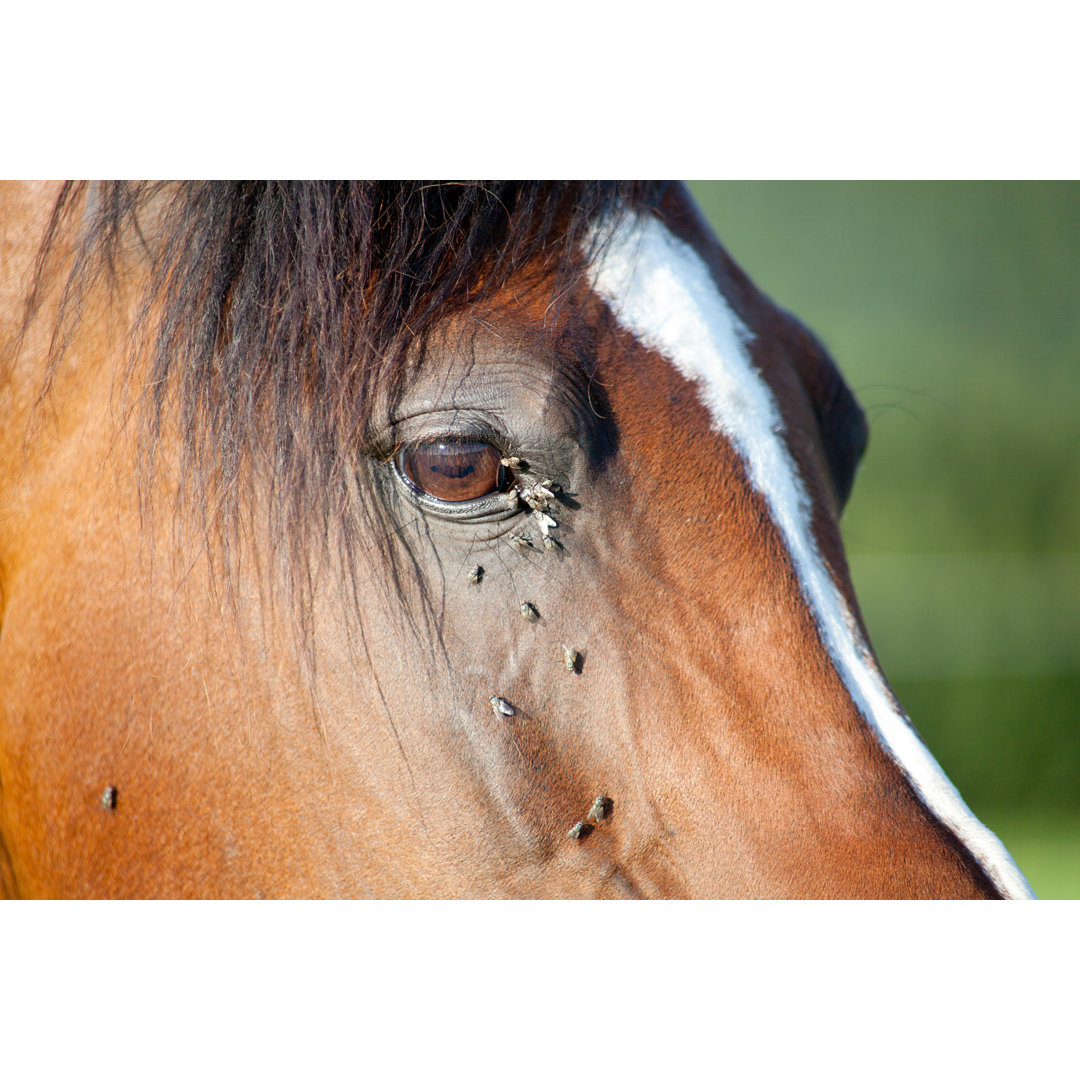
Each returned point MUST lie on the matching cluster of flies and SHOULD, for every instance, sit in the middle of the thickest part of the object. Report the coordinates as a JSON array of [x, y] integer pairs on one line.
[[538, 497], [596, 813]]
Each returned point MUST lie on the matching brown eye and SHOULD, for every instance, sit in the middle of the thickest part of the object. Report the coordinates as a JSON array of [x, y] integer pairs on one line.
[[453, 470]]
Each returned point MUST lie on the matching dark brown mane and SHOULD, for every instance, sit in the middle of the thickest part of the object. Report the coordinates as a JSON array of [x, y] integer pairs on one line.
[[274, 311]]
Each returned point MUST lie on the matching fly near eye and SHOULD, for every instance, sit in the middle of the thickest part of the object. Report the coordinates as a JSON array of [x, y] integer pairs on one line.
[[454, 470]]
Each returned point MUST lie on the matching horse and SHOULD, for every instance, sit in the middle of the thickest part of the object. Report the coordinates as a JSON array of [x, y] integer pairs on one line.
[[434, 540]]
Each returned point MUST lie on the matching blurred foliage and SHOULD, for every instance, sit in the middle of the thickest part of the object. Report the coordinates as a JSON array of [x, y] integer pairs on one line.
[[952, 309]]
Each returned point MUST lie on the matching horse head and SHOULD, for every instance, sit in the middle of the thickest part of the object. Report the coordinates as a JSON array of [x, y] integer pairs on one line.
[[539, 592]]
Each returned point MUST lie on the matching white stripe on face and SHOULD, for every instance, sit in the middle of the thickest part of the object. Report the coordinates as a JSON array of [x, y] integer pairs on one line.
[[661, 291]]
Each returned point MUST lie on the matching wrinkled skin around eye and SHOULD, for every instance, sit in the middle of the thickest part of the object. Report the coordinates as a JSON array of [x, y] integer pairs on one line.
[[453, 470]]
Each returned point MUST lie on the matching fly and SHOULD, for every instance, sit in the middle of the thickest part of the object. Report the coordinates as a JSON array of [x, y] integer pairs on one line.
[[500, 706], [546, 521], [538, 495]]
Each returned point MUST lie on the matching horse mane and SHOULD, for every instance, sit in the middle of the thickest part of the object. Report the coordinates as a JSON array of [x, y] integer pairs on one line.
[[274, 312]]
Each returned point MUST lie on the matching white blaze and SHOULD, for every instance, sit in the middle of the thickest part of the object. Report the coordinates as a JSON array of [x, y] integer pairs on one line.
[[661, 291]]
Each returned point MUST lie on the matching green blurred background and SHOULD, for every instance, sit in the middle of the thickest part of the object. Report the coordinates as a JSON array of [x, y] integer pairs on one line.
[[952, 309]]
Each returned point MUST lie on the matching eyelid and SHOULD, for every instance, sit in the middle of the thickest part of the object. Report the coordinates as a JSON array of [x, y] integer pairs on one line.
[[448, 424]]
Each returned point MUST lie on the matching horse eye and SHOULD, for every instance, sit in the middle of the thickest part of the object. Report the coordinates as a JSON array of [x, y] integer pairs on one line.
[[454, 470]]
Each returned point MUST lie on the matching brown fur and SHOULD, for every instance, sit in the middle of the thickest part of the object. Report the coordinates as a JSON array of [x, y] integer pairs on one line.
[[361, 757]]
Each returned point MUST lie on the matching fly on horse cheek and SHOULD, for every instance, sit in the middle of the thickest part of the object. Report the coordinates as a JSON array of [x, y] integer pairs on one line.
[[520, 541], [301, 588]]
